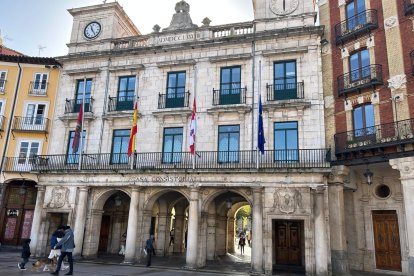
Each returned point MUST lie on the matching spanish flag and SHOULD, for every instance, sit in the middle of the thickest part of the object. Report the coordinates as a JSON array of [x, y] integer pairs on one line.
[[134, 130]]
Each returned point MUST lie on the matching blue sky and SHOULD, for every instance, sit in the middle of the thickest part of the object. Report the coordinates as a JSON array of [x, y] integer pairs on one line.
[[26, 24]]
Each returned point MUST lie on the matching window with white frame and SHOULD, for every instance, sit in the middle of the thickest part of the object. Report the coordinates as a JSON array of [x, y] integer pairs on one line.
[[3, 75], [35, 114], [28, 150], [40, 82]]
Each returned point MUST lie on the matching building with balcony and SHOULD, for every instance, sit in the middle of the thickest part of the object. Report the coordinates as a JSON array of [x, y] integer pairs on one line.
[[105, 195], [368, 88], [28, 87]]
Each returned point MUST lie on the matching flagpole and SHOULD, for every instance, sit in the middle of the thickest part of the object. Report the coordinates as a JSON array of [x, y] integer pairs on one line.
[[81, 133], [195, 93], [258, 103]]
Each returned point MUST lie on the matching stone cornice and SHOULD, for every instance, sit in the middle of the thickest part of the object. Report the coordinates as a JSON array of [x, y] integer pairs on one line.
[[230, 58], [176, 63]]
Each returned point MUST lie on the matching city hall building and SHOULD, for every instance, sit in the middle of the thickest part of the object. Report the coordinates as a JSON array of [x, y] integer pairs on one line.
[[107, 196]]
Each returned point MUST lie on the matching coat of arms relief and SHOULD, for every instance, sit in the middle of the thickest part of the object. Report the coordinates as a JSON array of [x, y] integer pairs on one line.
[[59, 198], [287, 200]]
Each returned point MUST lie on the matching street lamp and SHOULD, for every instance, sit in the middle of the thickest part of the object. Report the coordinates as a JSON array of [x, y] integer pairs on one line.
[[22, 189], [118, 201], [228, 201], [368, 175]]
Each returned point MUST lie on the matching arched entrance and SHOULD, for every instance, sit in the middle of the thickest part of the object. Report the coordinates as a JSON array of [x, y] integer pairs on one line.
[[17, 212]]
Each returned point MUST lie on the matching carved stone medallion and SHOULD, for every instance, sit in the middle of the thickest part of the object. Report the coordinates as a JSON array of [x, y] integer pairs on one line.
[[287, 200], [59, 197], [283, 7]]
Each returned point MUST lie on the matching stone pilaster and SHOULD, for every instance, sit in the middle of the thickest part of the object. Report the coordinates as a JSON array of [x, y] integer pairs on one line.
[[406, 168], [321, 237], [211, 234], [339, 252], [161, 241], [37, 219], [116, 233], [132, 227], [192, 235], [230, 231], [178, 232], [80, 220], [257, 229]]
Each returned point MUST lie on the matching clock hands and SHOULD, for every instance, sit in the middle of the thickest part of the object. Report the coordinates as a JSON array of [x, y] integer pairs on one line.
[[284, 5]]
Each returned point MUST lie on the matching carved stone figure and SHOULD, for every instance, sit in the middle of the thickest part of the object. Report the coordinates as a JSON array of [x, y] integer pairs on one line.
[[396, 82], [287, 200], [181, 19], [59, 197]]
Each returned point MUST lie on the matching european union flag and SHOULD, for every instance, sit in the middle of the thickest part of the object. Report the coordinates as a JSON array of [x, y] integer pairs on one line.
[[260, 134]]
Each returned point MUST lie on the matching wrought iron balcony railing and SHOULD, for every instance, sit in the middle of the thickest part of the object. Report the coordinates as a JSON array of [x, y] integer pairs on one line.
[[204, 160], [173, 100], [368, 76], [229, 96], [2, 86], [409, 7], [19, 164], [384, 135], [121, 103], [30, 124], [350, 28], [73, 106], [286, 91], [412, 62], [2, 120], [38, 88]]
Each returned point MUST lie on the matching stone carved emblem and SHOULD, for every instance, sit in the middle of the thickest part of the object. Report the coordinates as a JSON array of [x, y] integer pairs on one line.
[[287, 200], [59, 197], [396, 82], [390, 22], [283, 7]]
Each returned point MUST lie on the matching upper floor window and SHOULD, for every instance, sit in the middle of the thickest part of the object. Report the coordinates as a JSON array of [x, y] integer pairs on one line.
[[175, 90], [354, 13], [3, 75], [119, 153], [40, 82], [126, 93], [285, 80], [364, 120], [359, 64], [80, 89], [172, 145], [228, 144], [286, 141], [35, 114], [71, 157], [27, 152], [230, 85]]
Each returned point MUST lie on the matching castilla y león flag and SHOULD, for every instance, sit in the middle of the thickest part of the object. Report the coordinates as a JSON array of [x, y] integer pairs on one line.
[[78, 130], [193, 128], [134, 130]]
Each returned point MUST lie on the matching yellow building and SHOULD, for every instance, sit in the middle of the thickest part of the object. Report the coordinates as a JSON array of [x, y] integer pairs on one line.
[[28, 87]]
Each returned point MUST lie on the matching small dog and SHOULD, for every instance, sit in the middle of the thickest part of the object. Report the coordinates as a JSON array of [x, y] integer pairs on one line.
[[44, 265]]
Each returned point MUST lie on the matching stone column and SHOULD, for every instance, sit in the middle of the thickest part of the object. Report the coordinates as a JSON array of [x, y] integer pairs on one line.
[[406, 168], [211, 234], [37, 219], [80, 220], [192, 235], [202, 241], [132, 227], [339, 253], [257, 229], [178, 232], [161, 241], [115, 245], [321, 248], [221, 231], [230, 235]]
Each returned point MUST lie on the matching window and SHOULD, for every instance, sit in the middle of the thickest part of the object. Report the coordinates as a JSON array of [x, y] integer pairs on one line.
[[230, 84], [40, 82], [175, 90], [27, 151], [73, 158], [126, 93], [286, 141], [119, 154], [364, 120], [3, 75], [1, 107], [79, 95], [35, 114], [228, 146], [172, 146], [285, 81], [355, 14], [359, 65]]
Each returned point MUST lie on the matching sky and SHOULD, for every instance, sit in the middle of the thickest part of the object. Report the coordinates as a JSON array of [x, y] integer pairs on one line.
[[43, 27]]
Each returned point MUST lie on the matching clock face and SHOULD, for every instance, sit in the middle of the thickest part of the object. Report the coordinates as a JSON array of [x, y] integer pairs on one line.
[[92, 30], [283, 7]]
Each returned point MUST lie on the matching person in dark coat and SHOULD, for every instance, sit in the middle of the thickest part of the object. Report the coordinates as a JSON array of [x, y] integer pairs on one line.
[[55, 253], [242, 243], [68, 244], [149, 247], [25, 254]]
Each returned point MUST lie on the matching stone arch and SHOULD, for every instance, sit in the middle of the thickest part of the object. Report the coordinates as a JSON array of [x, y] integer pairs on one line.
[[245, 193], [102, 195], [155, 194]]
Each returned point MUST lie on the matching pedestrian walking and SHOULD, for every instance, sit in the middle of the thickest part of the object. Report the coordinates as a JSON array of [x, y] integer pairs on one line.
[[172, 233], [55, 253], [242, 243], [149, 247], [25, 254], [67, 244]]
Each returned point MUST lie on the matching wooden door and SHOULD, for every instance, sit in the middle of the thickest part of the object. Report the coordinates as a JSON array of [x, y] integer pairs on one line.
[[104, 236], [289, 243], [387, 240]]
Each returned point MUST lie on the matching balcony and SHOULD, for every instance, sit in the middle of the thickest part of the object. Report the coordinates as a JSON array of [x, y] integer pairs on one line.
[[205, 160], [30, 124], [354, 26], [409, 7], [37, 88], [368, 76], [412, 62], [287, 91], [2, 86], [376, 137], [73, 106], [121, 103], [229, 96], [173, 100], [19, 164], [2, 120]]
